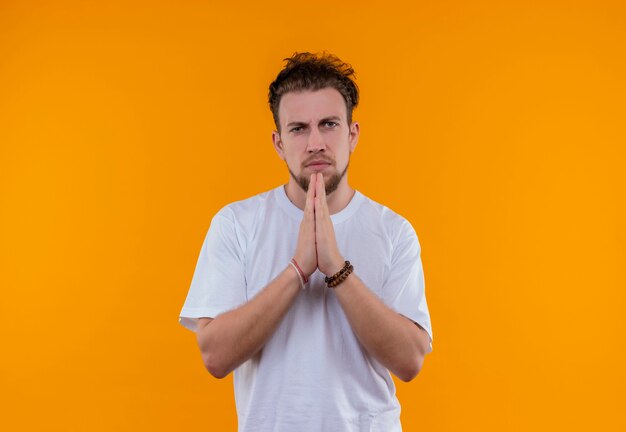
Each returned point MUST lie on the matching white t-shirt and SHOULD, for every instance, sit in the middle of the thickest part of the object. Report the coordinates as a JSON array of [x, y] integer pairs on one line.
[[312, 375]]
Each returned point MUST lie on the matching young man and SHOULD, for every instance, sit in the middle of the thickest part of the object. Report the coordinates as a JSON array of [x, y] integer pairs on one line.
[[311, 292]]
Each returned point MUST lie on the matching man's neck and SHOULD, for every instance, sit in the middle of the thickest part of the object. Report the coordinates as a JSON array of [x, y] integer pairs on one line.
[[337, 201]]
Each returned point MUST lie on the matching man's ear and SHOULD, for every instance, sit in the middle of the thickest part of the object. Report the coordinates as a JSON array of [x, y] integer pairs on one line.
[[354, 135], [278, 144]]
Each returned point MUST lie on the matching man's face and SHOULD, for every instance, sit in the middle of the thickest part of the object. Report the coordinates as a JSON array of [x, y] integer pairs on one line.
[[315, 136]]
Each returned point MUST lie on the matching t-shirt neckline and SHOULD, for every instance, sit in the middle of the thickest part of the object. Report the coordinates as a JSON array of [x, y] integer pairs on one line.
[[290, 208]]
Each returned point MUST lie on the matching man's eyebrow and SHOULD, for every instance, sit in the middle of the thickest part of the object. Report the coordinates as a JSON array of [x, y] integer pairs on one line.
[[325, 119], [296, 123]]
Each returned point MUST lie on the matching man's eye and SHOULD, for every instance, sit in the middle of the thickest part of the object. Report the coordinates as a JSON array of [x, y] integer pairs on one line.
[[296, 129], [331, 124]]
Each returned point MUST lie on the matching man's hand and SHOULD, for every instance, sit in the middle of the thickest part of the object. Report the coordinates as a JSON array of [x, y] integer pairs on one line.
[[329, 259], [317, 246], [306, 255]]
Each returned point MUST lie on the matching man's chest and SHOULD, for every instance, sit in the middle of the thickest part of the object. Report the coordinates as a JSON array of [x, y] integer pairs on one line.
[[273, 243]]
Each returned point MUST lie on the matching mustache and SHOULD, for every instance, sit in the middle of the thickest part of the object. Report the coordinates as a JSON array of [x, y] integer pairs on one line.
[[318, 159]]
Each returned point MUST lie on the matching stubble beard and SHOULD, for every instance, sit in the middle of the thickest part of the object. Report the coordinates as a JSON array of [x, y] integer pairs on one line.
[[331, 183]]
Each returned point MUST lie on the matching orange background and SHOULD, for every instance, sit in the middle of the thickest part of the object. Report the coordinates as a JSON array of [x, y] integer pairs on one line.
[[496, 128]]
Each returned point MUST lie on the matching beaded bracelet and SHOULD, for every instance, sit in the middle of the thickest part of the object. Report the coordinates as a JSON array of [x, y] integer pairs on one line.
[[340, 276]]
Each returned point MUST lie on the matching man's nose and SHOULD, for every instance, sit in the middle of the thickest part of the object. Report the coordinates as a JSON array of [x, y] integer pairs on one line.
[[316, 141]]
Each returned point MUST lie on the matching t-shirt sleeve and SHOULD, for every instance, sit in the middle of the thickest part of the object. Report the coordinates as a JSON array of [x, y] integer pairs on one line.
[[404, 289], [218, 283]]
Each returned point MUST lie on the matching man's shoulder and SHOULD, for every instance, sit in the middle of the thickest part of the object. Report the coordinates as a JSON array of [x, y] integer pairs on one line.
[[247, 207], [394, 223], [382, 211]]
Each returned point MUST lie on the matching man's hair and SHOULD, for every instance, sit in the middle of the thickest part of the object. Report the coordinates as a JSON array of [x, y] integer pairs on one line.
[[306, 71]]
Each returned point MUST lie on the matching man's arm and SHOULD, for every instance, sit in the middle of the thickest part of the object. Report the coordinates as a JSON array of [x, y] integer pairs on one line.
[[392, 339], [389, 337], [233, 337]]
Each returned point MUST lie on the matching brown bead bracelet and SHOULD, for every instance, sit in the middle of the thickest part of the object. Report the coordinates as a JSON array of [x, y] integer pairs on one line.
[[340, 276]]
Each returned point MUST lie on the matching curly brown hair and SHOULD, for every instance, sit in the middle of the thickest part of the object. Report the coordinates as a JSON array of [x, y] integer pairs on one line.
[[306, 71]]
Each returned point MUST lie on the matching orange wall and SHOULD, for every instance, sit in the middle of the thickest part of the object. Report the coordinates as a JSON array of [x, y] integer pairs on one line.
[[496, 128]]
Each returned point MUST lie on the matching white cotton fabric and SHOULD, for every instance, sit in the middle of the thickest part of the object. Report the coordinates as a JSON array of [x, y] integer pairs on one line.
[[312, 375]]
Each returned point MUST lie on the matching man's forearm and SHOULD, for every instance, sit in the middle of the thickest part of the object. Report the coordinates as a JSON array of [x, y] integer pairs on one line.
[[235, 336], [389, 337]]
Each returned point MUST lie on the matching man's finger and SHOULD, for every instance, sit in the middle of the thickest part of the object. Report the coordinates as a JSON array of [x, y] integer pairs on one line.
[[310, 196], [321, 194]]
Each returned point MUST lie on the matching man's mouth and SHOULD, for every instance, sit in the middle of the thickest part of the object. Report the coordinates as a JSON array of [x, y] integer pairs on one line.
[[318, 164]]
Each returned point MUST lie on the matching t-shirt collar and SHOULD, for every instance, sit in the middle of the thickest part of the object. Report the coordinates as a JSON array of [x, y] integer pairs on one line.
[[285, 203]]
